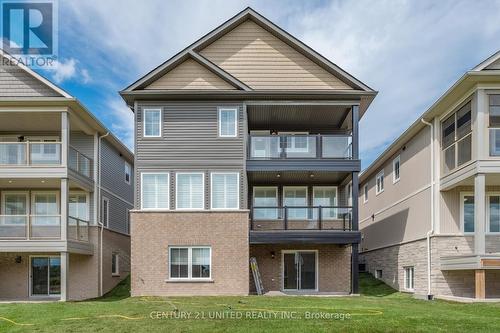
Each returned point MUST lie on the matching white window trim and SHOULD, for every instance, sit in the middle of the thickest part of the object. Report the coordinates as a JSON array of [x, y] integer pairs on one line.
[[406, 268], [488, 195], [144, 123], [190, 263], [177, 190], [127, 164], [237, 192], [394, 161], [105, 224], [58, 200], [462, 215], [219, 128], [87, 202], [28, 202], [381, 173], [265, 187], [326, 187], [168, 190], [117, 266], [293, 187], [365, 193]]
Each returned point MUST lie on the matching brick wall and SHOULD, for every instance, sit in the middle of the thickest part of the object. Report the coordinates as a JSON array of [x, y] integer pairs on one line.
[[334, 266], [226, 232]]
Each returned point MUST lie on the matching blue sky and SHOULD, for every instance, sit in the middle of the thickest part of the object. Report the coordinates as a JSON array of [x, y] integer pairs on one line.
[[409, 51]]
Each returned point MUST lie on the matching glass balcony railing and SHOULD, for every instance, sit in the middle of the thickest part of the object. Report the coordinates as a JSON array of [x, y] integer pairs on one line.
[[301, 218], [270, 147], [30, 153], [78, 229], [79, 162]]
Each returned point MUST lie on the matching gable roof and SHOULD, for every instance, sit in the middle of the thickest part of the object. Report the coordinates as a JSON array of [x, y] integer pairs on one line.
[[492, 62], [229, 25]]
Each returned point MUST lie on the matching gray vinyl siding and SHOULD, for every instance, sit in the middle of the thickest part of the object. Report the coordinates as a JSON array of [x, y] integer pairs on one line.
[[83, 143], [15, 82], [190, 143], [113, 172], [118, 212]]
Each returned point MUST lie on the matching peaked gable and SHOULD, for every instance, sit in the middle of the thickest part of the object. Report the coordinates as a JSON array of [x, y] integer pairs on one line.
[[189, 74], [494, 65], [16, 82], [262, 61]]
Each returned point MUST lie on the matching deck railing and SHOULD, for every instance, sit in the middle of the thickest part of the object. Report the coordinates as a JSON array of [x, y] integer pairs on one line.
[[30, 153], [301, 218], [79, 162]]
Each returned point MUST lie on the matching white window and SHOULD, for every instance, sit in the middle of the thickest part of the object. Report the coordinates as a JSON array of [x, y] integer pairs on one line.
[[378, 273], [225, 190], [115, 264], [467, 212], [105, 212], [265, 197], [494, 125], [228, 122], [189, 191], [15, 211], [190, 263], [128, 172], [409, 278], [155, 190], [396, 164], [456, 138], [494, 213], [365, 193], [295, 199], [152, 122], [326, 198], [78, 206], [380, 182]]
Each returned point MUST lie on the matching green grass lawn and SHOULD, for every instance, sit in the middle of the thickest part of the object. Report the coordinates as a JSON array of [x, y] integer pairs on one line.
[[379, 309]]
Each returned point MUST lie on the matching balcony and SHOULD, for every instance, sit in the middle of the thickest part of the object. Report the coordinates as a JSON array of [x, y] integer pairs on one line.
[[30, 153], [80, 163], [269, 147], [41, 227], [302, 225]]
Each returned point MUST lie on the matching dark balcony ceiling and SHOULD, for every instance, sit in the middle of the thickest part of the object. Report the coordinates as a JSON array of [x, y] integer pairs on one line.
[[310, 118], [305, 237], [296, 177]]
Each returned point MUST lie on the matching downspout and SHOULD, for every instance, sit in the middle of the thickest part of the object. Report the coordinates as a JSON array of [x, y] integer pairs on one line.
[[431, 231], [99, 201]]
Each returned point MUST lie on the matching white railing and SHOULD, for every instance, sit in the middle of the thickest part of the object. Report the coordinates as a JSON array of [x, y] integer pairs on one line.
[[78, 229], [30, 153], [30, 226], [79, 162]]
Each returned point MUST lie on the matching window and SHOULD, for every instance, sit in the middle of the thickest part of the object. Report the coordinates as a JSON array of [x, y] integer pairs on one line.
[[154, 190], [265, 197], [456, 139], [152, 122], [365, 193], [349, 194], [295, 196], [228, 122], [45, 211], [78, 207], [409, 278], [115, 264], [105, 212], [189, 191], [225, 190], [190, 262], [128, 171], [467, 212], [395, 169], [494, 213], [378, 273], [15, 208], [379, 188], [326, 197], [494, 125]]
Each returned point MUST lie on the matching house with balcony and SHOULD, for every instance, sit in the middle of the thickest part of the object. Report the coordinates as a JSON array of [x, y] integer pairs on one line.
[[65, 191], [430, 206], [246, 148]]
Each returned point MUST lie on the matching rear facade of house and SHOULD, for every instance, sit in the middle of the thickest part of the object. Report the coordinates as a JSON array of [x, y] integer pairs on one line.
[[246, 147], [59, 175], [430, 204]]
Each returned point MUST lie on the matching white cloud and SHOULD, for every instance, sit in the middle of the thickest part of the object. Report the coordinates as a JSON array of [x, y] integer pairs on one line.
[[63, 70], [410, 51]]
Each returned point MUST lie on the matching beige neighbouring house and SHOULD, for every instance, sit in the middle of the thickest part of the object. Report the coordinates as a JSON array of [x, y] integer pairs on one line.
[[61, 172], [430, 204], [246, 147]]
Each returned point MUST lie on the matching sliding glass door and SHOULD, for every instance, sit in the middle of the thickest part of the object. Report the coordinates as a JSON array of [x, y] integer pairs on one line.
[[45, 276], [299, 270]]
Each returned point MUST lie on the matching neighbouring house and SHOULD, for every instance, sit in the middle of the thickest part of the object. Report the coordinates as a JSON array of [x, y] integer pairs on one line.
[[430, 204], [66, 187], [246, 147]]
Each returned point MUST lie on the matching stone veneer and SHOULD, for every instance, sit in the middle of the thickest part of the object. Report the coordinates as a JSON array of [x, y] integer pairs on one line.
[[226, 232]]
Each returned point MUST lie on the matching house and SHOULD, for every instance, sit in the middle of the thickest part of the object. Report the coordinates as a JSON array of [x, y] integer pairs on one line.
[[429, 205], [65, 191], [246, 147]]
